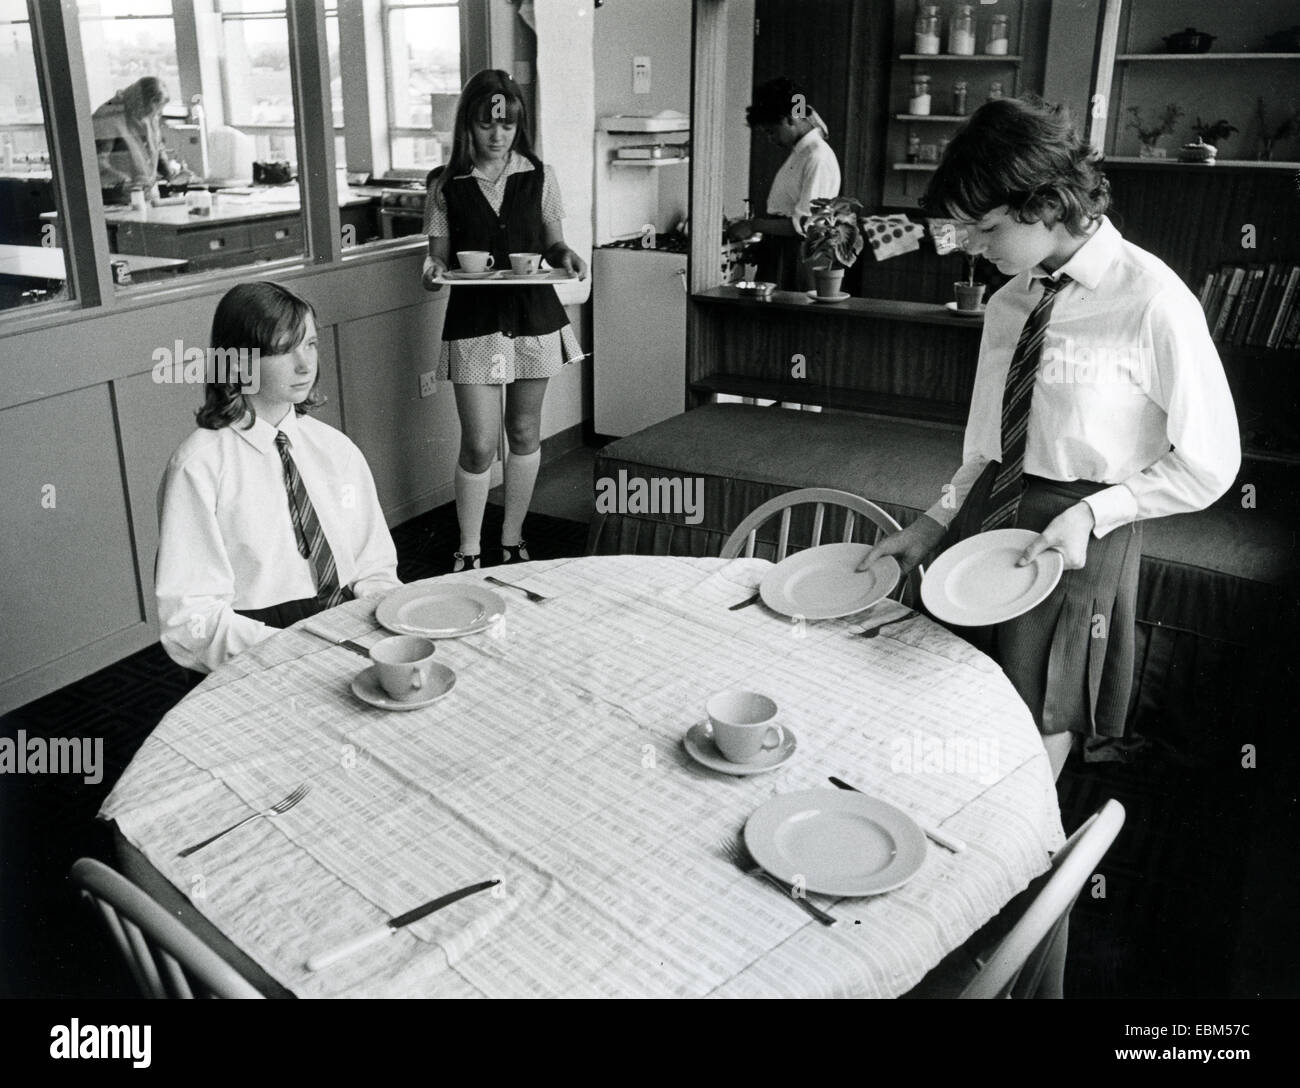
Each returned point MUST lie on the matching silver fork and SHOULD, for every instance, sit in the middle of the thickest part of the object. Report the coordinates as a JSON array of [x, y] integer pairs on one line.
[[739, 857], [278, 809], [511, 585], [872, 632]]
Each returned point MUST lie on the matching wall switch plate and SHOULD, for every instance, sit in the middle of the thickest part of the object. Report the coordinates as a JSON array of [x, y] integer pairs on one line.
[[640, 75], [428, 383]]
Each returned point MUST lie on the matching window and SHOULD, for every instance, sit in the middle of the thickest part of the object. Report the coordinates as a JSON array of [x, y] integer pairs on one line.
[[422, 49], [125, 40], [32, 265]]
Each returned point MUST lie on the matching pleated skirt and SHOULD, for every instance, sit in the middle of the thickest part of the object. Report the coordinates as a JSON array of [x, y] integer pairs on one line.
[[1071, 657]]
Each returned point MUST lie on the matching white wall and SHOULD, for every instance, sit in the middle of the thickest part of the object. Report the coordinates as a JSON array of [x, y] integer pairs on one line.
[[660, 30]]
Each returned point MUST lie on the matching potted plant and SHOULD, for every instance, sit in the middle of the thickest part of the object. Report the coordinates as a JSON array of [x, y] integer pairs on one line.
[[1212, 132], [832, 241], [1149, 134], [1289, 127], [970, 295]]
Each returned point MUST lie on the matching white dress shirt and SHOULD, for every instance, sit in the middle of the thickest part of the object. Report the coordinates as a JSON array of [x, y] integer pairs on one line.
[[226, 536], [810, 171], [1130, 390]]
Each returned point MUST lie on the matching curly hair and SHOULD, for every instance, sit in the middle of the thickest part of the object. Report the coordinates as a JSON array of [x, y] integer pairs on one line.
[[1024, 154], [261, 317]]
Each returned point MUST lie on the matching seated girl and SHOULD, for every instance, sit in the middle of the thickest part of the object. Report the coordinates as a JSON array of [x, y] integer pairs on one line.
[[266, 515]]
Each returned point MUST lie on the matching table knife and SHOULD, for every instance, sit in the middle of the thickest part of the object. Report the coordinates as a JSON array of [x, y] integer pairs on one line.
[[941, 837], [745, 603], [346, 643], [324, 959]]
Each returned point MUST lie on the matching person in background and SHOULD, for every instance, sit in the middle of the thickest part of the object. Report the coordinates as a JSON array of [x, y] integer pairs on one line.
[[782, 113], [128, 141], [1099, 401], [495, 196], [266, 516]]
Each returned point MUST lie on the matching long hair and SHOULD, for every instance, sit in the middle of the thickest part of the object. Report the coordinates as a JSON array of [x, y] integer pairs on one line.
[[1026, 155], [261, 317], [143, 96], [491, 95]]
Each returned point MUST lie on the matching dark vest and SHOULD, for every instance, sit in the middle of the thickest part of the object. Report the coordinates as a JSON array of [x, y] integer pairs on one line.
[[515, 311]]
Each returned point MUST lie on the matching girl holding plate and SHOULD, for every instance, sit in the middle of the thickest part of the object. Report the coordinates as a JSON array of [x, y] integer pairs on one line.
[[1099, 401], [496, 197]]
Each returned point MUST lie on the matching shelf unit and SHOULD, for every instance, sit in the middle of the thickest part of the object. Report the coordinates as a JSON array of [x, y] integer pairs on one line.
[[904, 181], [1217, 85]]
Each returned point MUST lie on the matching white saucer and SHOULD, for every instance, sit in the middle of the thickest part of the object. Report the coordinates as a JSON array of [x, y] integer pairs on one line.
[[366, 687], [966, 313], [835, 842], [976, 582], [833, 298], [823, 583], [461, 274], [700, 747]]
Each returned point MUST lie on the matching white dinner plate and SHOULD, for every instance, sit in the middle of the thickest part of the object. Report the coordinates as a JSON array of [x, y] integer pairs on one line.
[[823, 583], [836, 842], [701, 748], [439, 611], [976, 582], [367, 688]]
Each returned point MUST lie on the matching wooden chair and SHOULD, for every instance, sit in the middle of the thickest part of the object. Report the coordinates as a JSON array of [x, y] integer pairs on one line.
[[1029, 961], [166, 959], [745, 535]]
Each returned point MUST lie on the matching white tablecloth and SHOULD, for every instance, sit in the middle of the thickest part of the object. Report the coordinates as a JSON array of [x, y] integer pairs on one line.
[[557, 765]]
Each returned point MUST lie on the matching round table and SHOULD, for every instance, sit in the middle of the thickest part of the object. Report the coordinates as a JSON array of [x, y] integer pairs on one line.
[[557, 765]]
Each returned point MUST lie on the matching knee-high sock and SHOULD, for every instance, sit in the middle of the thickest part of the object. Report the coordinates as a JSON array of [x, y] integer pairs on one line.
[[471, 500], [521, 475]]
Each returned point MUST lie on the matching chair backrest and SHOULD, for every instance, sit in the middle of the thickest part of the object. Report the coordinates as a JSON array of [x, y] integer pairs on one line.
[[745, 535], [1018, 964], [165, 957]]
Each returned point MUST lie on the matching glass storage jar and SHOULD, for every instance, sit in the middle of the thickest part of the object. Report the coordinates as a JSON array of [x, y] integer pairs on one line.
[[961, 31]]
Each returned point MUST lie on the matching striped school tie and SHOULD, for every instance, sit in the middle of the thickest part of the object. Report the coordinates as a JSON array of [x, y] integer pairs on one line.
[[1004, 498], [306, 529]]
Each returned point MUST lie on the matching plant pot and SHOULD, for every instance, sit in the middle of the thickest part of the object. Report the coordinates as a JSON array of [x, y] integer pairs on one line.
[[829, 281], [1150, 151], [1189, 41], [969, 295]]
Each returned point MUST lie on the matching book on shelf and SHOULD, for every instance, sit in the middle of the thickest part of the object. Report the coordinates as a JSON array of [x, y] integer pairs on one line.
[[1290, 338], [1247, 298], [1284, 306], [1269, 295], [1217, 291], [1251, 304], [1229, 302]]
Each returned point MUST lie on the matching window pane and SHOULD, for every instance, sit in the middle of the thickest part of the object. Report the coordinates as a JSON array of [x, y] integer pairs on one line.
[[124, 40], [423, 50], [32, 265], [183, 109]]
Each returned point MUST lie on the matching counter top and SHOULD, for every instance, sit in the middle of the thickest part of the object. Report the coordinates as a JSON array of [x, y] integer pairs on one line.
[[875, 309]]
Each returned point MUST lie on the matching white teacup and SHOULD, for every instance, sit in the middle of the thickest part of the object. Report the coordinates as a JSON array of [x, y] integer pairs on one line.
[[525, 264], [475, 260], [743, 725], [404, 664]]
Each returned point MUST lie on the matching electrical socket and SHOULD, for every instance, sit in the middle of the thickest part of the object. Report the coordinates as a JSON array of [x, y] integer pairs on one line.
[[640, 75], [428, 383]]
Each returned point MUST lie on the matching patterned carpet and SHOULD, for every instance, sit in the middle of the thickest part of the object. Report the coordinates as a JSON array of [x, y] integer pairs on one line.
[[1199, 891]]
